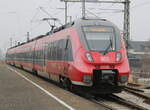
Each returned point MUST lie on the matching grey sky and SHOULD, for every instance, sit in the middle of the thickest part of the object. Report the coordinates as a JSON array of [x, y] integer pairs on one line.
[[16, 16]]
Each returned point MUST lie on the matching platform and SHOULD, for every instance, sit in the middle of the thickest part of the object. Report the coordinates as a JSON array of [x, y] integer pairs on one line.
[[20, 90], [18, 94]]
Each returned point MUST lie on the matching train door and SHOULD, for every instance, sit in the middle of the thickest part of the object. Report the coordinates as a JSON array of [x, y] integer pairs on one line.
[[45, 56], [34, 55], [43, 61], [43, 53]]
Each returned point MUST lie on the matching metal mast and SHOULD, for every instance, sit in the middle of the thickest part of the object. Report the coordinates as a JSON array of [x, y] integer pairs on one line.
[[127, 22], [28, 36], [83, 9], [66, 12], [11, 40]]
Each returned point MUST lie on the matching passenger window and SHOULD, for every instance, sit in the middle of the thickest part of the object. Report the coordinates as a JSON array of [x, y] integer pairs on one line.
[[68, 50], [59, 50], [55, 50], [52, 51]]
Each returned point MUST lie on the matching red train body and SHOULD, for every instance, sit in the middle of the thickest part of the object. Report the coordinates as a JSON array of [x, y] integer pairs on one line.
[[88, 54]]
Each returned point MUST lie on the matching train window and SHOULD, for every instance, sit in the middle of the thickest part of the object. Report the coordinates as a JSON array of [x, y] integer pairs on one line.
[[99, 38], [59, 50], [39, 54], [18, 56], [68, 51], [21, 54], [70, 55], [31, 55], [55, 51], [63, 48], [42, 54], [49, 51], [24, 56], [66, 46], [52, 50], [36, 54]]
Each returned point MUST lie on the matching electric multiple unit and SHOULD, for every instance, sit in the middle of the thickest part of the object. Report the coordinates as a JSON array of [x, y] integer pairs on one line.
[[88, 54]]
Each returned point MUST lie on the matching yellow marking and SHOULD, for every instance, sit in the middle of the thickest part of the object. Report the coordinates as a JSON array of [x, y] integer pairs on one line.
[[98, 30]]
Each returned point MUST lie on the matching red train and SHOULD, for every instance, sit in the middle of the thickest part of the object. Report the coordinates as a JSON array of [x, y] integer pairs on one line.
[[89, 54]]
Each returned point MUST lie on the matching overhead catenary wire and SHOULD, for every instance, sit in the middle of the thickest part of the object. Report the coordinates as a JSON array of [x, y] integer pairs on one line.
[[35, 15], [33, 28], [92, 13], [42, 9], [136, 6], [113, 10], [118, 10], [108, 13]]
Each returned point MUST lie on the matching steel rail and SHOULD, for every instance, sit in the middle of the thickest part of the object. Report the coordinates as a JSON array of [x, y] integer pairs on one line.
[[127, 103], [117, 103]]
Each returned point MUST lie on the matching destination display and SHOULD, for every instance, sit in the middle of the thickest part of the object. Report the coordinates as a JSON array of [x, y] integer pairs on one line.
[[98, 29]]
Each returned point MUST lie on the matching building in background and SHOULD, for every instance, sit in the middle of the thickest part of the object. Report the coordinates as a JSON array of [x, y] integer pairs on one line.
[[139, 58], [139, 48], [139, 54]]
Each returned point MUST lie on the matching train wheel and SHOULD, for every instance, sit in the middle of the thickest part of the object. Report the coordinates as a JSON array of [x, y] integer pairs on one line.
[[21, 67], [35, 72], [67, 84]]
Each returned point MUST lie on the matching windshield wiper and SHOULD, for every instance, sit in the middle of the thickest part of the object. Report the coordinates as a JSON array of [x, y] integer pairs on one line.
[[109, 46]]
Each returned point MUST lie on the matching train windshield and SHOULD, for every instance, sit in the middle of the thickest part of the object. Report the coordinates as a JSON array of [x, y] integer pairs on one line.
[[100, 38]]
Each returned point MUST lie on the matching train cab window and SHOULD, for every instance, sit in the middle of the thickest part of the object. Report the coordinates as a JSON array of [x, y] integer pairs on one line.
[[99, 38]]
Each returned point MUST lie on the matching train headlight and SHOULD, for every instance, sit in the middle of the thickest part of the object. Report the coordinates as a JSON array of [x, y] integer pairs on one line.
[[123, 78], [87, 79], [89, 57], [118, 56]]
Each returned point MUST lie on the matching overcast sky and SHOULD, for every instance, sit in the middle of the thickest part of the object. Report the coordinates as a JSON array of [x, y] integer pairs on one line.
[[17, 17]]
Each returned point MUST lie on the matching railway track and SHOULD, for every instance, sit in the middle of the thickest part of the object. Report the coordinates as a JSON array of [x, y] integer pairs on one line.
[[129, 99], [140, 93], [135, 99], [114, 102]]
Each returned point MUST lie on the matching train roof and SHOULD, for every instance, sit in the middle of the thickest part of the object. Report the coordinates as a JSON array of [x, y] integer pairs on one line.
[[92, 21], [77, 23]]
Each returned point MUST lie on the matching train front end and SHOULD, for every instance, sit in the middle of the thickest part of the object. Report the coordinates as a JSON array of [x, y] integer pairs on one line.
[[101, 63]]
